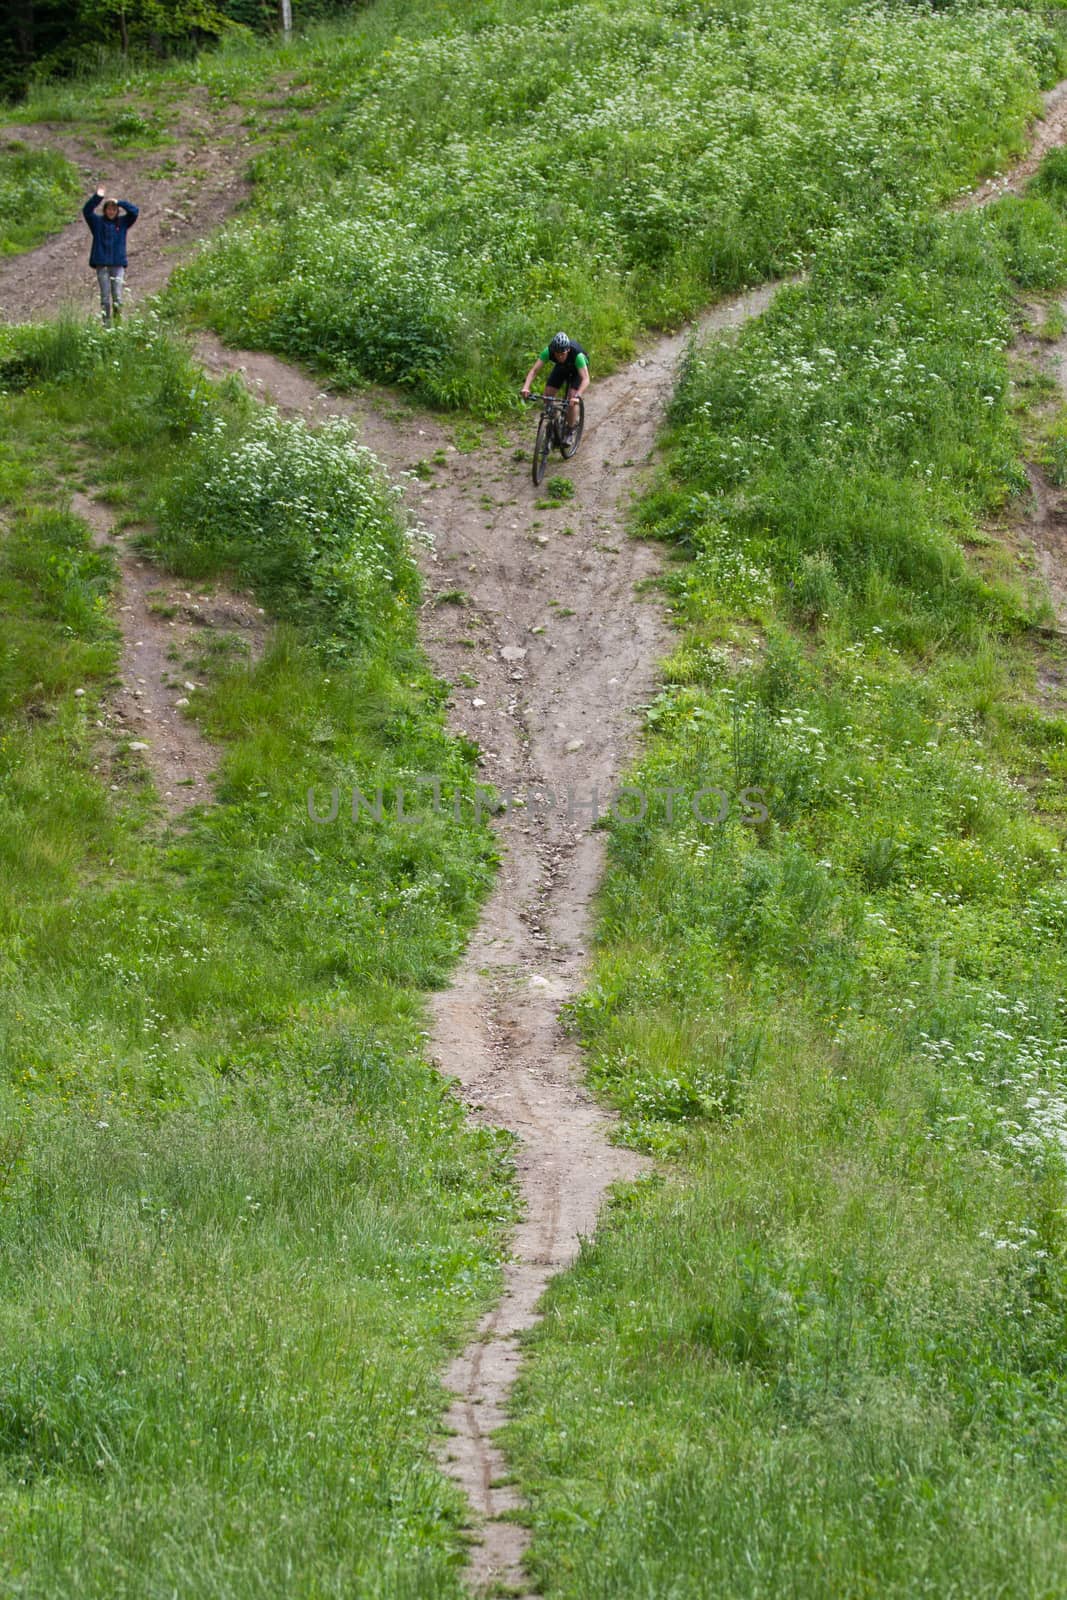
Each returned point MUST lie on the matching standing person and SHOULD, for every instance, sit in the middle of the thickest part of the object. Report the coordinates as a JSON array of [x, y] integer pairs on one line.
[[570, 367], [108, 253]]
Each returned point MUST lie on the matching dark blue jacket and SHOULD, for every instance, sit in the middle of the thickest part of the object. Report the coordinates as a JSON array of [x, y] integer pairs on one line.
[[109, 238]]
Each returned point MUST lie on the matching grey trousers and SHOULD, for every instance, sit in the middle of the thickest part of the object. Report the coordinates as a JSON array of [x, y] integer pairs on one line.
[[111, 281]]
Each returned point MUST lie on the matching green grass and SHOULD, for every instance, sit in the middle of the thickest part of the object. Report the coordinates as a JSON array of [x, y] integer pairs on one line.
[[244, 1223], [243, 1220], [39, 191], [431, 236], [825, 1353]]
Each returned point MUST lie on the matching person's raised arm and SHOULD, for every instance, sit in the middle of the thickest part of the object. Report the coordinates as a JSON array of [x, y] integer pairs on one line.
[[91, 204], [132, 212]]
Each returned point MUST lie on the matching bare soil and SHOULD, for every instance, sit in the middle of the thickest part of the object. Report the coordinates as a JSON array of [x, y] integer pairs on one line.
[[1032, 530], [1044, 530], [166, 628], [1046, 525]]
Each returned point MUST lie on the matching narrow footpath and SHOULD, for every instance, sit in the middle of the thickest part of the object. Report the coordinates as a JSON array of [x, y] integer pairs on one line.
[[538, 616]]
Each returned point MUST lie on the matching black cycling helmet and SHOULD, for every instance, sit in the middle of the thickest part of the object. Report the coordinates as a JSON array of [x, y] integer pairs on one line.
[[558, 344]]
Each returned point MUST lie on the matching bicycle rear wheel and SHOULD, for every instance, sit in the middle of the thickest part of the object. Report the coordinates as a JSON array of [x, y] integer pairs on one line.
[[542, 446], [568, 449]]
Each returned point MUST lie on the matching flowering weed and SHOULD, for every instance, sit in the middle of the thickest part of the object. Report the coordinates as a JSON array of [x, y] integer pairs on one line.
[[846, 1311], [428, 231]]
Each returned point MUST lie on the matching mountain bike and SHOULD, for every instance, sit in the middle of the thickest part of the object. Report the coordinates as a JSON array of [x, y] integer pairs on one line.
[[552, 429]]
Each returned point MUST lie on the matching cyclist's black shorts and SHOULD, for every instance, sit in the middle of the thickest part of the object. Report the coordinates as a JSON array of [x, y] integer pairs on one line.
[[561, 376]]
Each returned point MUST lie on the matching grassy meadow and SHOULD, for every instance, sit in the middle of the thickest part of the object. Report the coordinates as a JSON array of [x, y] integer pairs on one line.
[[825, 1356], [243, 1221], [469, 178]]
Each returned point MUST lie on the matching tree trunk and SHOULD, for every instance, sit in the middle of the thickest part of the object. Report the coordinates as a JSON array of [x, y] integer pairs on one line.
[[22, 28], [286, 9]]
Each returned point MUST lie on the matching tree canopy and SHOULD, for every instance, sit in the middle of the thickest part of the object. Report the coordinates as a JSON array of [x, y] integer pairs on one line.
[[44, 37]]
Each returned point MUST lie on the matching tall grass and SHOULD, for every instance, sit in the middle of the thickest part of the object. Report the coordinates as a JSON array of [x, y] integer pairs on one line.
[[476, 178], [242, 1220], [825, 1354], [39, 190]]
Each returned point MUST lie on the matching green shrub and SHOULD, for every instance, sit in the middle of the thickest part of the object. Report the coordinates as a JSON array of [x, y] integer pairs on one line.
[[39, 190], [301, 515]]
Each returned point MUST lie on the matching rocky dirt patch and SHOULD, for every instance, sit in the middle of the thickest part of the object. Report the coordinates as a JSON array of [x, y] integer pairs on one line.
[[165, 627]]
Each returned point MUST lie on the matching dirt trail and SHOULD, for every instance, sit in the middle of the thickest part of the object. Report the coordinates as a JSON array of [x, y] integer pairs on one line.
[[185, 191], [532, 616], [1039, 530], [1035, 527], [534, 620], [164, 627], [1049, 524], [178, 208], [1049, 133]]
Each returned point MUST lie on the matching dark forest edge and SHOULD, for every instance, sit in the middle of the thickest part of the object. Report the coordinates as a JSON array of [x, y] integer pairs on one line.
[[41, 39]]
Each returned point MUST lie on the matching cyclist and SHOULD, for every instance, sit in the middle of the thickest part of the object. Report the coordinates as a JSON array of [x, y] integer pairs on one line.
[[570, 367]]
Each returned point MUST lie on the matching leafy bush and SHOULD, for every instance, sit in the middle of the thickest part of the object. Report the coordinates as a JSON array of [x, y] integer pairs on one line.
[[302, 516], [130, 127]]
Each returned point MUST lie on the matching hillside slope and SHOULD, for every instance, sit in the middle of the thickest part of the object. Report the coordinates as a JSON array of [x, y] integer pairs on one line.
[[839, 1032]]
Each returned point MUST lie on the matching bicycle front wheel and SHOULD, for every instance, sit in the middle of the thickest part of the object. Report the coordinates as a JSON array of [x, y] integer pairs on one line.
[[568, 448], [542, 446]]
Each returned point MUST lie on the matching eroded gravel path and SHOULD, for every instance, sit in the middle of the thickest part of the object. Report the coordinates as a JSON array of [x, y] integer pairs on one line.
[[536, 619]]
